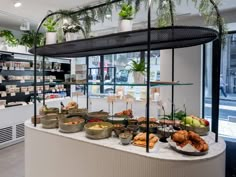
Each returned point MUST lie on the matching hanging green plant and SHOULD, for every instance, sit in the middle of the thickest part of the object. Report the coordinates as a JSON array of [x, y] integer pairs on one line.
[[27, 39], [9, 38]]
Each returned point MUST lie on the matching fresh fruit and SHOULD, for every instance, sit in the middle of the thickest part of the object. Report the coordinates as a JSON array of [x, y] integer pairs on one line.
[[196, 123], [206, 122], [202, 126], [188, 120]]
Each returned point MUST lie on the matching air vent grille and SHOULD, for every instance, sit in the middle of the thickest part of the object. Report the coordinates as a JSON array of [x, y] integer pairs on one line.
[[20, 130], [6, 134]]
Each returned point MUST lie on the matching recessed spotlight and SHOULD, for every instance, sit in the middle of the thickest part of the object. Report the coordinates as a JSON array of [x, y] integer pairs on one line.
[[17, 4]]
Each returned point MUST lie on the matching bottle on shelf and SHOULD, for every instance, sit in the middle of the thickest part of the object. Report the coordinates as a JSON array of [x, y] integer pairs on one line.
[[107, 76], [98, 77]]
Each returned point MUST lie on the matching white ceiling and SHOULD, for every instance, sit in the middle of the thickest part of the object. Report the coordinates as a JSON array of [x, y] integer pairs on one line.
[[34, 10]]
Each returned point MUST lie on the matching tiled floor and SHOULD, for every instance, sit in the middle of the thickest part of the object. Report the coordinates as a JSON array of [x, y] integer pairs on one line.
[[12, 161]]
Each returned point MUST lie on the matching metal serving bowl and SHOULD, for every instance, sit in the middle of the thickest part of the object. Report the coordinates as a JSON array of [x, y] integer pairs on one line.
[[202, 131], [99, 115], [64, 127], [49, 111], [50, 121], [98, 134], [38, 119]]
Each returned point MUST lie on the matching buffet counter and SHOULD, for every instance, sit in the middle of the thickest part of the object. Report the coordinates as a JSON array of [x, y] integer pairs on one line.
[[50, 153]]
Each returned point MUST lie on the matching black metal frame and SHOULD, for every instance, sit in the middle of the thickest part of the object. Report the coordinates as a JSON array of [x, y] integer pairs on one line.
[[216, 64]]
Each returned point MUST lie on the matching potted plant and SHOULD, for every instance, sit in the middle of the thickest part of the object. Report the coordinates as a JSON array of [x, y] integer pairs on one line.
[[72, 31], [126, 17], [50, 25], [27, 39], [8, 38], [138, 69]]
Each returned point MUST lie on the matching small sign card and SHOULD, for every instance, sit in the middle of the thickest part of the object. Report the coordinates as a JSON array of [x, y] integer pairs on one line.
[[13, 94], [27, 93], [3, 94]]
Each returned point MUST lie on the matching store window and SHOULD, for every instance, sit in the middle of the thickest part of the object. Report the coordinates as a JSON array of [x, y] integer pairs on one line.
[[227, 113]]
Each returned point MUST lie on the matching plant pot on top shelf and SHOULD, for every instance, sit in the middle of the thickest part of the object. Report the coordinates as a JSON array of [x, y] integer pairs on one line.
[[51, 38], [51, 35], [126, 17], [73, 31]]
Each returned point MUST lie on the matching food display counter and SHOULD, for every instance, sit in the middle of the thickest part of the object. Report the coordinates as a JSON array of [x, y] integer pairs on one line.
[[50, 153]]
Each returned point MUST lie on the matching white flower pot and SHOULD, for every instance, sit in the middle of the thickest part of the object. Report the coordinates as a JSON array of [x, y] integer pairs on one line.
[[51, 38], [72, 36], [125, 25], [138, 78], [3, 45]]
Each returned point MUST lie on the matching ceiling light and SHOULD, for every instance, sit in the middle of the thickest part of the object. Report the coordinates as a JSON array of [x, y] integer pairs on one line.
[[17, 4], [108, 16]]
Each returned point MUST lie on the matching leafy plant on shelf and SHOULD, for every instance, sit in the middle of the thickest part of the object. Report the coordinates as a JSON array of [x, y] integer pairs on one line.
[[138, 66], [81, 21], [50, 24], [127, 12], [9, 38], [27, 39]]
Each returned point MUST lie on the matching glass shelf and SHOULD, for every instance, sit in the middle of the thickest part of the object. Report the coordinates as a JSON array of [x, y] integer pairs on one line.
[[131, 85]]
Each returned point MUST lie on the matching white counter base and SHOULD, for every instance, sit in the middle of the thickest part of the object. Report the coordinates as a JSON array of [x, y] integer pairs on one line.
[[50, 153]]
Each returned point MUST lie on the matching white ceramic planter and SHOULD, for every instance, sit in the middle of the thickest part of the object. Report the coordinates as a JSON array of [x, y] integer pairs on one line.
[[3, 45], [138, 78], [72, 36], [125, 25], [51, 38]]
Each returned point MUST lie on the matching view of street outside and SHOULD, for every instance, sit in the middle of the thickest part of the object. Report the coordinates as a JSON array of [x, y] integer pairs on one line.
[[227, 113]]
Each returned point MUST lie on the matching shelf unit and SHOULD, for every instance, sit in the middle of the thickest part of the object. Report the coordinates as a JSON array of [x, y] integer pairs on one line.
[[10, 66], [143, 40]]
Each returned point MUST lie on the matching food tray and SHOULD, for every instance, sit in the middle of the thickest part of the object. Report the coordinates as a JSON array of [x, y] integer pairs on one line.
[[188, 153]]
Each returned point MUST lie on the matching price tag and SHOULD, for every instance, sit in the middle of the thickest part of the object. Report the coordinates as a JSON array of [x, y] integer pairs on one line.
[[129, 100], [39, 91], [27, 93], [38, 80], [111, 99], [11, 68], [4, 94], [22, 81], [13, 94], [4, 68], [52, 70]]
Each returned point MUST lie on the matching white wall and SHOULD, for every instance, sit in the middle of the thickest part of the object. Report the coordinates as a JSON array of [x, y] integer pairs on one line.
[[187, 69]]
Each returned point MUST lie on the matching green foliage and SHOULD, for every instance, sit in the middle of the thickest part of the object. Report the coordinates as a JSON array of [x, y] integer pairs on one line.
[[164, 13], [9, 38], [27, 39], [138, 66], [126, 12], [50, 24], [80, 21]]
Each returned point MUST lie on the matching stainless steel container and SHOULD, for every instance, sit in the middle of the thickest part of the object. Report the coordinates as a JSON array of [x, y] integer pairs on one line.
[[71, 125], [50, 121], [98, 134]]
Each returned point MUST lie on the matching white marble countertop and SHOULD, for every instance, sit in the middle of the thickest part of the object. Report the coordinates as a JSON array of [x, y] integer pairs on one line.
[[161, 151]]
